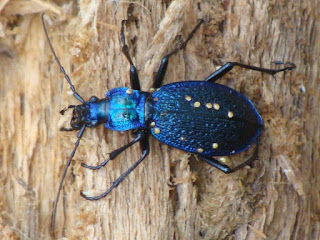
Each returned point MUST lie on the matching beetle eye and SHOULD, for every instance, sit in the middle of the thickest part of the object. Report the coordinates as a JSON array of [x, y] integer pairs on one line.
[[93, 99]]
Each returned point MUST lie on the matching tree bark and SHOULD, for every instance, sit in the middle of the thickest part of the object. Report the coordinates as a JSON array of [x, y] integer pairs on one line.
[[172, 194]]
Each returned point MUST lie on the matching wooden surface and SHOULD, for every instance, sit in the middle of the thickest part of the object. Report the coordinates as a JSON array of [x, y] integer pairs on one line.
[[171, 195]]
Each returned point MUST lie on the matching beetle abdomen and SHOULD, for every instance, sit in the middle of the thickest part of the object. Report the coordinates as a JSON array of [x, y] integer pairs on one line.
[[204, 118]]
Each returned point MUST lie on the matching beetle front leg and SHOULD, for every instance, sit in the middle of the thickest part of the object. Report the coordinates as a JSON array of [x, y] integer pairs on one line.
[[134, 78]]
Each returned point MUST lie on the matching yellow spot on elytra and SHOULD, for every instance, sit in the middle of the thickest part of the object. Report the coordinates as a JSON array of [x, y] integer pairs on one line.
[[196, 104], [230, 114], [129, 91], [216, 106], [208, 105], [215, 145], [200, 150], [152, 90], [152, 124], [182, 138], [223, 159], [156, 130], [188, 98]]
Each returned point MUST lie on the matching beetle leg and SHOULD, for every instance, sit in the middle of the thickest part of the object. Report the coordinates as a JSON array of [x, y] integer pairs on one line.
[[164, 62], [226, 169], [63, 129], [114, 154], [145, 151], [229, 66], [134, 78], [215, 163]]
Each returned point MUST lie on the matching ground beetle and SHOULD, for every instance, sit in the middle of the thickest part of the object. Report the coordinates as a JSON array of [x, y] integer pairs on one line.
[[200, 117]]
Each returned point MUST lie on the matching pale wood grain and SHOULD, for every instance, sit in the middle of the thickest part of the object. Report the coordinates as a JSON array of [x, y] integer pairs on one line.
[[170, 195]]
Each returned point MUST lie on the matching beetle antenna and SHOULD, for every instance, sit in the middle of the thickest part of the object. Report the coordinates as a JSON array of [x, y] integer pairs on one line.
[[75, 94], [54, 211]]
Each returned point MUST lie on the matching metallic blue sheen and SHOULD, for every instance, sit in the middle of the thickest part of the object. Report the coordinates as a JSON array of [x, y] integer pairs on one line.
[[98, 111], [126, 109], [184, 126]]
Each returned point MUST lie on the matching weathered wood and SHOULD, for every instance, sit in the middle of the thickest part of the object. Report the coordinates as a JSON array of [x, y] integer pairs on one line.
[[170, 195]]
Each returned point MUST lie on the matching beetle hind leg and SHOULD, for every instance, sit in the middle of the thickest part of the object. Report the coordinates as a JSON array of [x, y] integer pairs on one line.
[[225, 168], [229, 66]]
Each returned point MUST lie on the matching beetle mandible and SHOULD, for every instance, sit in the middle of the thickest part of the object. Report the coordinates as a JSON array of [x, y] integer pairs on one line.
[[200, 117]]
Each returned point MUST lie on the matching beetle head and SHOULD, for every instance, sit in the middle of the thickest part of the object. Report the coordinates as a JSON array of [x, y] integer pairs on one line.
[[81, 115]]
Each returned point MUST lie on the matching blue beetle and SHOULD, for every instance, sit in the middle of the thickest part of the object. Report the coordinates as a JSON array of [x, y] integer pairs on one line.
[[200, 117]]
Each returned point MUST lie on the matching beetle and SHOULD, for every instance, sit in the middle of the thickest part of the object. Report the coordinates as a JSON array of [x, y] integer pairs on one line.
[[200, 117]]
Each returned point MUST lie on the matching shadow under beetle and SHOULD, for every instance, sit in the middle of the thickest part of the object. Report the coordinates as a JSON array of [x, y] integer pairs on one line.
[[200, 117]]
